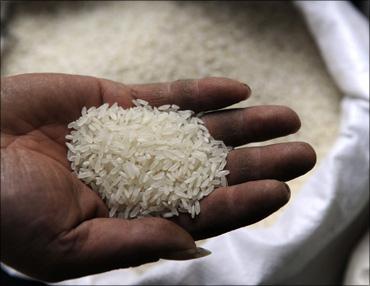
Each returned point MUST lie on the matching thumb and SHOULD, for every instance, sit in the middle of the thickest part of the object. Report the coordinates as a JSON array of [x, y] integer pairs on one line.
[[104, 244]]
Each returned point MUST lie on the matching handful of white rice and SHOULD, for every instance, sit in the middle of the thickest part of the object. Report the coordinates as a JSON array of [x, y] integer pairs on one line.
[[146, 161]]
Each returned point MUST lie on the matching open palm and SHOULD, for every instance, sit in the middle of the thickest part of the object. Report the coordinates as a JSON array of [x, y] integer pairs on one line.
[[55, 227]]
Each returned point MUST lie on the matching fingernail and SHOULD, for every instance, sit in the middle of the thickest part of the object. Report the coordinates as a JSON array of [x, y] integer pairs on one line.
[[248, 88], [288, 191], [187, 254]]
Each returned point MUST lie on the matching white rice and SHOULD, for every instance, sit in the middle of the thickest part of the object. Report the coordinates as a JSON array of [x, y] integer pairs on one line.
[[146, 161]]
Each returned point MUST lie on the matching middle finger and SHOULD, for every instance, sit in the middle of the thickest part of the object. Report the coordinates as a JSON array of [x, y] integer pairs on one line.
[[252, 124]]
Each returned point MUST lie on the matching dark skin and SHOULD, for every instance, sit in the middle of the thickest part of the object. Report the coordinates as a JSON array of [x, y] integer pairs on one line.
[[54, 227]]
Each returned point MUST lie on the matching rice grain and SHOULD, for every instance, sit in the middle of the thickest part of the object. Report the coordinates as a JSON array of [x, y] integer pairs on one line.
[[146, 161]]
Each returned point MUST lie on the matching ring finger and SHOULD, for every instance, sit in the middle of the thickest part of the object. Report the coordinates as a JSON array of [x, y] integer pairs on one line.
[[283, 161]]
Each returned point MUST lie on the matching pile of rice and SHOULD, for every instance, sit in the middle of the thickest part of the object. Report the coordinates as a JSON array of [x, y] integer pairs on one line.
[[146, 161]]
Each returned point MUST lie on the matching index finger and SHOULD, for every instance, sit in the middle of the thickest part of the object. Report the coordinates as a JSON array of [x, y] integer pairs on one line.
[[45, 97], [195, 94]]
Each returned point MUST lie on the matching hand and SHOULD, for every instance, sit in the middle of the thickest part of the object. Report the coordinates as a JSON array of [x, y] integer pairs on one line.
[[54, 227]]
